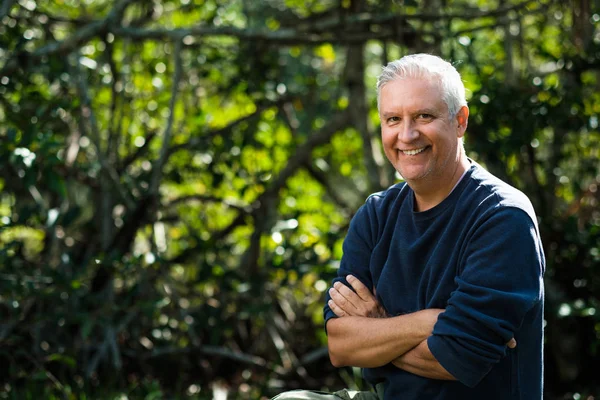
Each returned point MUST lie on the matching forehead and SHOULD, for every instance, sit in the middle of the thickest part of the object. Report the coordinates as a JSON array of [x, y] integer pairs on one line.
[[411, 94]]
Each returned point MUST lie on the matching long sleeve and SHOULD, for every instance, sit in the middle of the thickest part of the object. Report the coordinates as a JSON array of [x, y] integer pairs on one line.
[[499, 282], [357, 248]]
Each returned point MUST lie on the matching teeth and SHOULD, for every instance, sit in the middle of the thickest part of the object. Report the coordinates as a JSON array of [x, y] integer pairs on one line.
[[413, 152]]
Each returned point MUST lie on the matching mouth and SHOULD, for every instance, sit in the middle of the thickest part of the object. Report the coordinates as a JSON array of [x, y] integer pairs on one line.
[[413, 152]]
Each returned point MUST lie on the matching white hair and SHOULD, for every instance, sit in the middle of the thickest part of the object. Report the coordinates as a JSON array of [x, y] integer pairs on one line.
[[427, 66]]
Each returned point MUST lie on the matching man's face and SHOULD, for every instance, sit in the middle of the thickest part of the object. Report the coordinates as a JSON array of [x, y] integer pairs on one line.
[[419, 138]]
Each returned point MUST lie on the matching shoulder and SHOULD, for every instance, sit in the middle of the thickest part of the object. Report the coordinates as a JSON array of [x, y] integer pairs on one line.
[[390, 194], [380, 206], [388, 200], [493, 195]]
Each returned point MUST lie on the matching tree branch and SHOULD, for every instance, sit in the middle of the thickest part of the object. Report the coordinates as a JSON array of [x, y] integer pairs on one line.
[[296, 35], [304, 151], [164, 151], [138, 153], [207, 198], [114, 124], [317, 32], [321, 177], [200, 141], [72, 41], [302, 154], [355, 80], [87, 112], [283, 36], [469, 14], [214, 351]]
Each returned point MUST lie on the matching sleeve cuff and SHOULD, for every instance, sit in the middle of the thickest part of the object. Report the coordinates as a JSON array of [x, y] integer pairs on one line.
[[445, 352], [327, 315]]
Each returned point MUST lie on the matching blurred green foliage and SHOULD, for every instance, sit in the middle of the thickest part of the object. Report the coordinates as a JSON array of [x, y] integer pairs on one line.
[[176, 179]]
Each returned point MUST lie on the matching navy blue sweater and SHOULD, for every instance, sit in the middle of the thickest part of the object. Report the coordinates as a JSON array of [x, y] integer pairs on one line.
[[478, 255]]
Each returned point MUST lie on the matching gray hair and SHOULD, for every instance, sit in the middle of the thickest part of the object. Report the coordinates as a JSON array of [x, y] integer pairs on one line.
[[427, 66]]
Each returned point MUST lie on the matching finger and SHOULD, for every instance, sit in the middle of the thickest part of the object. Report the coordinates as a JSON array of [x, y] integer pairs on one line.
[[336, 309], [362, 291], [512, 343], [348, 294], [341, 301]]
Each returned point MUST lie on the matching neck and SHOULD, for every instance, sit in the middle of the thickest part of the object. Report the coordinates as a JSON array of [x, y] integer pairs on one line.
[[431, 193]]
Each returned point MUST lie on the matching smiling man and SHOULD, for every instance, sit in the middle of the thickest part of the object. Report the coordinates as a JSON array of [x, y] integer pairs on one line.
[[422, 138], [439, 294]]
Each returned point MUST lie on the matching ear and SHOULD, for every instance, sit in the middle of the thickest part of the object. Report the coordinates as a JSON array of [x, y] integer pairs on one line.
[[462, 120]]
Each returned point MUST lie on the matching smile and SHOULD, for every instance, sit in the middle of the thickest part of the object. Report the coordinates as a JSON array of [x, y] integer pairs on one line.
[[413, 152]]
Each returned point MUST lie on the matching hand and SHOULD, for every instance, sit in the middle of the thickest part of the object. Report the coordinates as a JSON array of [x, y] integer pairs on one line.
[[362, 303]]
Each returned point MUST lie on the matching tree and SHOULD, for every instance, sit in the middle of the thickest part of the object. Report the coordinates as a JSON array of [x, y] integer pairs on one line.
[[177, 178]]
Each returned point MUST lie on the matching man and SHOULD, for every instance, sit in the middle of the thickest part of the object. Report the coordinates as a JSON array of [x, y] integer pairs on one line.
[[439, 294]]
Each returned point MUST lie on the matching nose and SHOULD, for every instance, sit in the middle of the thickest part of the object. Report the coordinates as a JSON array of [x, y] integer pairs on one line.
[[407, 131]]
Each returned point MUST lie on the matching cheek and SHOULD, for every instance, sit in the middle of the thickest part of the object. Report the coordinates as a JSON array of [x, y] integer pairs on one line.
[[387, 137]]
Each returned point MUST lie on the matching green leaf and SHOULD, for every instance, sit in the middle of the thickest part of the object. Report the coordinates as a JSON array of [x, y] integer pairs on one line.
[[61, 358]]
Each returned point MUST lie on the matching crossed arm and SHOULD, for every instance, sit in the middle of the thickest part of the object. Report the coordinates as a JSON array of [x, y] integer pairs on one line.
[[365, 336]]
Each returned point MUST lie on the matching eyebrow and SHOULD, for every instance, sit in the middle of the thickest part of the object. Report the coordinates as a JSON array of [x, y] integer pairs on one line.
[[387, 114], [426, 111]]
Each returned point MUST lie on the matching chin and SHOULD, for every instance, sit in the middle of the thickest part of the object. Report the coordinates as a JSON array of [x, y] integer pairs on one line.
[[415, 176]]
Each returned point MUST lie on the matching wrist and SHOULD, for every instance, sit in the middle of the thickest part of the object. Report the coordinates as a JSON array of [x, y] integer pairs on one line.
[[426, 320]]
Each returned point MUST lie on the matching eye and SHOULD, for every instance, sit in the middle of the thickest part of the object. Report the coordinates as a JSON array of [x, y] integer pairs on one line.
[[425, 116], [392, 120]]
